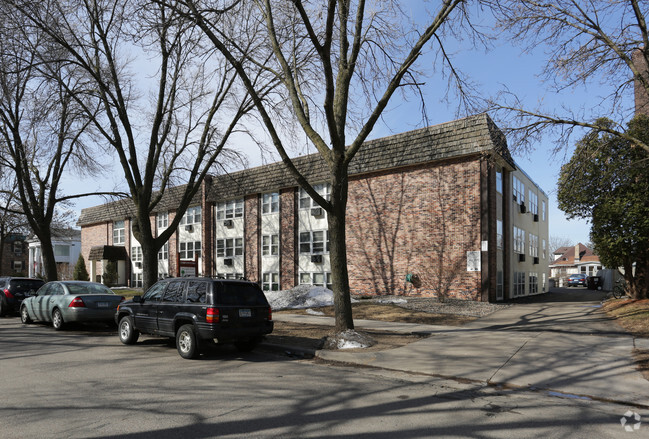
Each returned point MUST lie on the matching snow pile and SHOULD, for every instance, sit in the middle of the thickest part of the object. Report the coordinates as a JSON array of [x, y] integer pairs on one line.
[[300, 297], [349, 339], [392, 300]]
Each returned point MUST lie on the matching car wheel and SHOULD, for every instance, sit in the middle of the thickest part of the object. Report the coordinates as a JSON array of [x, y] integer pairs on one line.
[[24, 315], [127, 332], [186, 342], [57, 319], [247, 345]]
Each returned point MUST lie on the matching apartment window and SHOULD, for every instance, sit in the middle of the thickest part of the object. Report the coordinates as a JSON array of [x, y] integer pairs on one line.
[[163, 220], [62, 250], [229, 209], [119, 235], [499, 182], [317, 279], [519, 284], [227, 248], [534, 283], [499, 234], [544, 249], [192, 216], [136, 254], [305, 199], [234, 275], [270, 203], [518, 189], [534, 203], [534, 245], [18, 248], [163, 253], [316, 242], [519, 240], [270, 282], [543, 210], [190, 250], [270, 245], [136, 280], [17, 265]]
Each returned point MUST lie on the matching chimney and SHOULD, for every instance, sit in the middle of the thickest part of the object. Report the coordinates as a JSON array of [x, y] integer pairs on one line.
[[640, 93], [577, 254]]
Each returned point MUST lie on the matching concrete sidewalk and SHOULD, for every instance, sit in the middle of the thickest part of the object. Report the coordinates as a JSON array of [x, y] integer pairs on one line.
[[567, 346]]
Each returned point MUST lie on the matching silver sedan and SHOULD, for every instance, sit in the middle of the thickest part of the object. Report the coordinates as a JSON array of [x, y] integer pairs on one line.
[[70, 301]]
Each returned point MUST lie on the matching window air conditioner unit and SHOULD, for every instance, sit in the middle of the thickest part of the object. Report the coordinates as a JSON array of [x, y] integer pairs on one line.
[[189, 228], [521, 257], [316, 259], [536, 217], [228, 223], [138, 265], [536, 261], [523, 208], [316, 211], [227, 262]]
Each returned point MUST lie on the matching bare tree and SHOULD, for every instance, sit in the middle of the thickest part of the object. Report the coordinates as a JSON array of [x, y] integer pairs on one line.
[[587, 43], [181, 136], [42, 128], [358, 56]]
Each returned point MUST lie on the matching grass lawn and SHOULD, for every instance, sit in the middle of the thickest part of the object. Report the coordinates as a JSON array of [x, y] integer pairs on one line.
[[633, 316]]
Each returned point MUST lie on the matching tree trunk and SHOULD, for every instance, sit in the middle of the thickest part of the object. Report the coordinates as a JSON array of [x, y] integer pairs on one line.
[[47, 252], [336, 220], [149, 264]]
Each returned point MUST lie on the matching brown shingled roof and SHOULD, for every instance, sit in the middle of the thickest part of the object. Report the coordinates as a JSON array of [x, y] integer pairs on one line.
[[471, 135]]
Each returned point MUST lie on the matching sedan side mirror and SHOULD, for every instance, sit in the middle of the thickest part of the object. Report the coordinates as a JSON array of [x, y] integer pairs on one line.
[[138, 299]]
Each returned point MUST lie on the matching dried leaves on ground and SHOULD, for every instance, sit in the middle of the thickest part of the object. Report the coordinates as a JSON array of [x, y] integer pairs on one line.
[[633, 316], [312, 336]]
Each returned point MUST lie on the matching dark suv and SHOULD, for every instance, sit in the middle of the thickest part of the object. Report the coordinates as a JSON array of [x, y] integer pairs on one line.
[[194, 310], [13, 290]]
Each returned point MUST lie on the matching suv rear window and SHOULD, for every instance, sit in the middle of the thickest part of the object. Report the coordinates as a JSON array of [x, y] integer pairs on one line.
[[240, 294], [25, 285]]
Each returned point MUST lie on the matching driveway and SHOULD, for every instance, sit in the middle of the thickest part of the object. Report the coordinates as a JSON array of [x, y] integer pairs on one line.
[[561, 342]]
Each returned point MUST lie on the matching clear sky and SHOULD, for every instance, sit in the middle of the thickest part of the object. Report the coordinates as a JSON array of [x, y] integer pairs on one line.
[[502, 66]]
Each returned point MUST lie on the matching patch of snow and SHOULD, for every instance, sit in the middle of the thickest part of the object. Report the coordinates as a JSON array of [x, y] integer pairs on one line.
[[392, 300], [300, 297], [349, 339], [313, 312]]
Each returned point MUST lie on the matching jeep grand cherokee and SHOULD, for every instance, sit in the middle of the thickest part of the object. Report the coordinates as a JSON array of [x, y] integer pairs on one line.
[[197, 310]]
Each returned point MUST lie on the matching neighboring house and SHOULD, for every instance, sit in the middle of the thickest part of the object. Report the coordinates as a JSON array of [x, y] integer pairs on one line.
[[439, 211], [67, 247], [574, 260], [14, 255]]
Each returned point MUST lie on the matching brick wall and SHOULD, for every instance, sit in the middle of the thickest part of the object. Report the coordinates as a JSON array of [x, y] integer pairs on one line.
[[421, 221], [288, 238], [97, 234]]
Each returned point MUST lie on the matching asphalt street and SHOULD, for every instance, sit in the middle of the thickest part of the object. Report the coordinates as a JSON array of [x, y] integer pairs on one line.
[[85, 383]]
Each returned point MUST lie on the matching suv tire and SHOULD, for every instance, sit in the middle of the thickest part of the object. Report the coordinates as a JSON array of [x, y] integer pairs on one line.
[[186, 342], [127, 333], [24, 315]]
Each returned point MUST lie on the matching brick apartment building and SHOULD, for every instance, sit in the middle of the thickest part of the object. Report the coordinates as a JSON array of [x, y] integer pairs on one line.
[[438, 211], [13, 261]]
